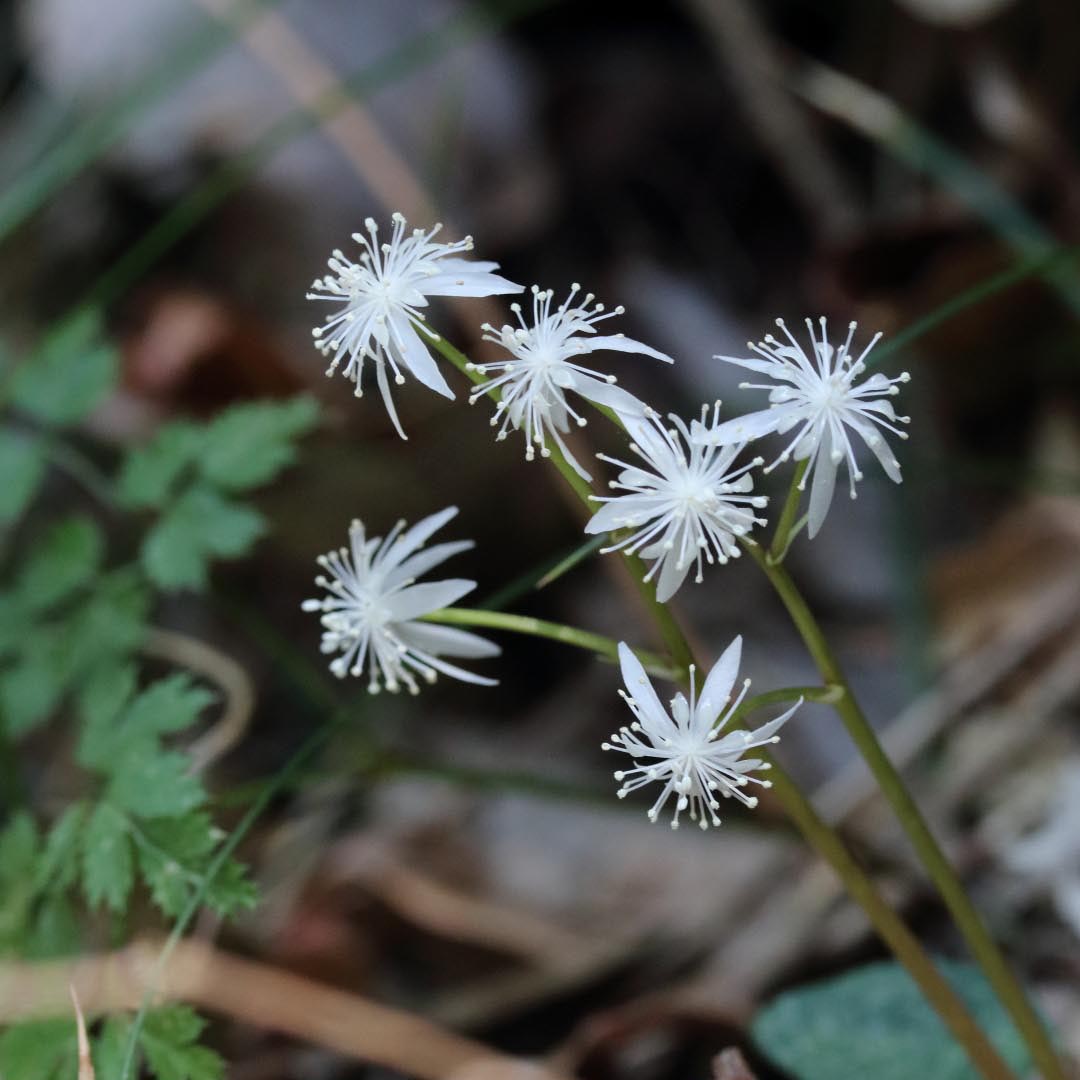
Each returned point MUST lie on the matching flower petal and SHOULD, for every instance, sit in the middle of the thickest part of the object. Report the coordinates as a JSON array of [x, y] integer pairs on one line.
[[442, 640], [741, 429], [717, 689], [458, 673], [619, 343], [468, 283], [417, 357], [671, 576], [419, 564], [412, 538], [428, 596], [641, 689], [879, 447], [823, 485], [608, 518], [384, 388], [605, 393]]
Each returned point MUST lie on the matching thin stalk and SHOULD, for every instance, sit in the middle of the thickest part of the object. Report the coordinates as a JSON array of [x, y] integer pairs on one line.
[[537, 577], [280, 783], [823, 695], [786, 522], [568, 635], [965, 915], [863, 109], [80, 468], [892, 930], [906, 947], [29, 191], [670, 631], [976, 294], [564, 566]]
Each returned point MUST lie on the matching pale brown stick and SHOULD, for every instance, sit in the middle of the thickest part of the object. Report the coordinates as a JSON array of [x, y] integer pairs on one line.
[[256, 994], [86, 1065], [213, 665]]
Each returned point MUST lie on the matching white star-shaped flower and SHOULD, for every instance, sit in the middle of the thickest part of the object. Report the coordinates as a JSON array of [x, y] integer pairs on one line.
[[380, 298], [543, 369], [689, 505], [373, 603], [819, 397], [684, 750]]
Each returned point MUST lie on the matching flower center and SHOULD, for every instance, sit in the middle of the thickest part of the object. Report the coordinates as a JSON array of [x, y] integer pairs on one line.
[[833, 392], [694, 494]]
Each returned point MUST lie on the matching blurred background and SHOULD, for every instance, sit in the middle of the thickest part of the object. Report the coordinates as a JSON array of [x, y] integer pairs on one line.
[[184, 167]]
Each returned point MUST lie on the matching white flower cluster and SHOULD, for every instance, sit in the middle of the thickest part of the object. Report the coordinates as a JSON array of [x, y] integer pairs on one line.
[[685, 499]]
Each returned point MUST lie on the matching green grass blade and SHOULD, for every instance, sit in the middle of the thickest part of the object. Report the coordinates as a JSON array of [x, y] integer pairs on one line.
[[872, 114], [976, 294], [26, 195], [460, 29]]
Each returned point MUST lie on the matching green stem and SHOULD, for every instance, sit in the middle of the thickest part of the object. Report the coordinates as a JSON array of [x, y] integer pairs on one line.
[[670, 631], [785, 524], [823, 695], [818, 833], [568, 635], [80, 468], [976, 294], [933, 859], [280, 783], [892, 930]]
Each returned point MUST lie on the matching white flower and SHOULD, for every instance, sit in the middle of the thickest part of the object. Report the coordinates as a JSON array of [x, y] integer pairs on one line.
[[543, 369], [687, 507], [821, 399], [685, 750], [381, 297], [370, 613]]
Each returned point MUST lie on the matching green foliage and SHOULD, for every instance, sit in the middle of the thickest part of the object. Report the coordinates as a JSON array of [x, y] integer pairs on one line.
[[67, 558], [107, 866], [875, 1022], [41, 1050], [32, 686], [18, 846], [69, 626], [57, 866], [168, 1040], [188, 472], [168, 1045], [108, 1049], [146, 817], [150, 473], [71, 372], [201, 524], [90, 620], [22, 467], [250, 444]]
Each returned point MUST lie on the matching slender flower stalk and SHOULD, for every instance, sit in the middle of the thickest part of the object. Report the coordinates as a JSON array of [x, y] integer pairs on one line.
[[568, 635], [907, 948], [665, 622], [937, 865]]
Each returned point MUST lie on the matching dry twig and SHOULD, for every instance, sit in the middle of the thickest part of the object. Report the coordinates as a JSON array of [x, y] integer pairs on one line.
[[255, 994]]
